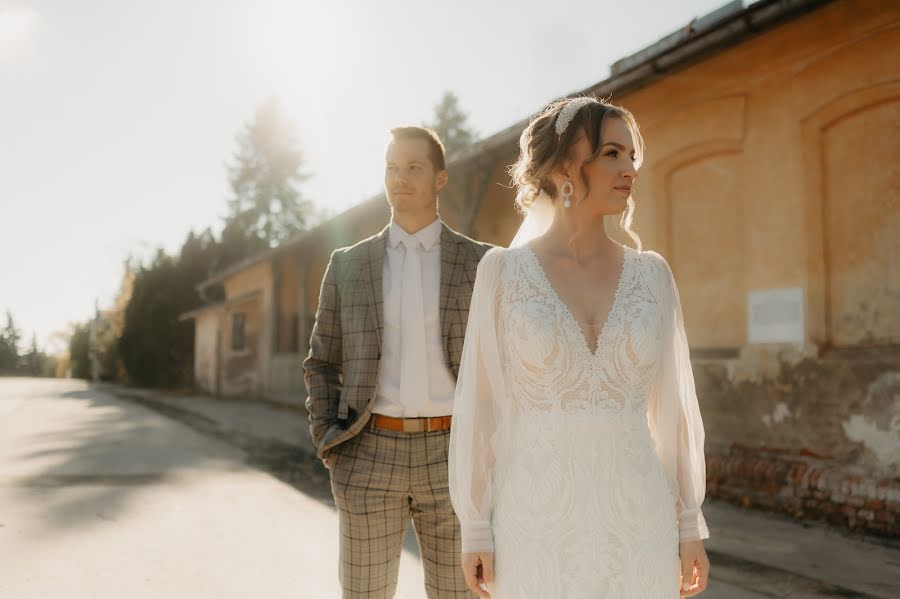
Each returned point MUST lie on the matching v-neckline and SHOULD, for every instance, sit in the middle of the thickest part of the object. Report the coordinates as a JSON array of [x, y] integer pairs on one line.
[[612, 306]]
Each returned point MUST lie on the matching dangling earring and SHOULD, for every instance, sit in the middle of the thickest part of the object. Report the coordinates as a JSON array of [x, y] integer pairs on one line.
[[566, 191]]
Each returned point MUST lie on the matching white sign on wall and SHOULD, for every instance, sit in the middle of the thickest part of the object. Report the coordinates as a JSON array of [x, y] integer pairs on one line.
[[775, 316]]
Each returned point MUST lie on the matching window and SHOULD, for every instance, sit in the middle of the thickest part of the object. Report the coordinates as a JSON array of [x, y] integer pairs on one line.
[[238, 321]]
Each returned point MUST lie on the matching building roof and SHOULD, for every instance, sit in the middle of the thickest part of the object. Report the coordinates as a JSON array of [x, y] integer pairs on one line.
[[239, 299], [294, 241], [698, 40]]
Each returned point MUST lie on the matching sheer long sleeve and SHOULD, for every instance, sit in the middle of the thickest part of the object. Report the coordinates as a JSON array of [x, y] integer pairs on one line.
[[674, 413], [480, 393]]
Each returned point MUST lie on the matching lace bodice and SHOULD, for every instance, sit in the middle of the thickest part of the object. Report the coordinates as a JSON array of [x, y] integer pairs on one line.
[[526, 359], [547, 358]]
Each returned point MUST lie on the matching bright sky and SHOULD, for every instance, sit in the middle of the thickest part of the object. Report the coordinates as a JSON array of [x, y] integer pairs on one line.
[[117, 116]]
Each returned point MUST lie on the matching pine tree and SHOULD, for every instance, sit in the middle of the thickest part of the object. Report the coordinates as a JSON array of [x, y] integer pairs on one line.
[[9, 346], [80, 351], [266, 207], [451, 125], [34, 359]]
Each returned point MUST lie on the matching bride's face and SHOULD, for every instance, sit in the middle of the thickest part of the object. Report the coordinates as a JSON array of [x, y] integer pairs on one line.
[[609, 176]]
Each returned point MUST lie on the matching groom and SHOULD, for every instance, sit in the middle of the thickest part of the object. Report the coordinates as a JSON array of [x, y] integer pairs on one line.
[[381, 374]]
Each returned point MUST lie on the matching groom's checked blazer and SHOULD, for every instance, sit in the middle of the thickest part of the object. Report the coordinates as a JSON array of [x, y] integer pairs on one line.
[[345, 347]]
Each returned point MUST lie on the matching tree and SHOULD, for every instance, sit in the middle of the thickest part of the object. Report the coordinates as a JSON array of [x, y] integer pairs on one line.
[[149, 320], [80, 351], [156, 347], [9, 346], [33, 363], [106, 330], [266, 206], [37, 362], [450, 123], [105, 349], [237, 243]]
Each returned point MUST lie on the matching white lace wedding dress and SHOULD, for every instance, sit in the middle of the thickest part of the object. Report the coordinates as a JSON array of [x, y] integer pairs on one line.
[[579, 469]]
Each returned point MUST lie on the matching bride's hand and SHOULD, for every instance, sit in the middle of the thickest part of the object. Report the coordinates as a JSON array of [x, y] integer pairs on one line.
[[478, 568], [694, 568]]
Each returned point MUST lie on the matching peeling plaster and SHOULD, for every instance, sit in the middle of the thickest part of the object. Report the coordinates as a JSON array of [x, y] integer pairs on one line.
[[760, 363], [882, 441], [885, 444], [781, 412]]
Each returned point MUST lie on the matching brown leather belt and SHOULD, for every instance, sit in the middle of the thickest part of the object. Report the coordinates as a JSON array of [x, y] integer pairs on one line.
[[411, 425]]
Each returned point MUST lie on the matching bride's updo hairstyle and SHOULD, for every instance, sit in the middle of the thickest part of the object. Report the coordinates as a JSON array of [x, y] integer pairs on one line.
[[541, 150]]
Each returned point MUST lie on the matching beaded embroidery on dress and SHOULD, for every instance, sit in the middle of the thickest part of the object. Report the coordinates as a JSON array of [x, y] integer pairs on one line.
[[558, 461]]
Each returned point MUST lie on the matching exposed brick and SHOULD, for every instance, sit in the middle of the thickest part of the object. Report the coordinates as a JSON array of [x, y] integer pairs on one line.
[[856, 501], [874, 504], [798, 473], [805, 488], [814, 478], [883, 516], [838, 518], [766, 501]]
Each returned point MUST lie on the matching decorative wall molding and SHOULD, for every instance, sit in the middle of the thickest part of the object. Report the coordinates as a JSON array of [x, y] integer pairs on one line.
[[813, 128]]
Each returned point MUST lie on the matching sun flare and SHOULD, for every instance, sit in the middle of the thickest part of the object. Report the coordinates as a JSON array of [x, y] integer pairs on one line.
[[17, 26]]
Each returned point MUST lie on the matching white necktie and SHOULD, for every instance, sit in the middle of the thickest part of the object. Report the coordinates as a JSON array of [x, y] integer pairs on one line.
[[413, 367]]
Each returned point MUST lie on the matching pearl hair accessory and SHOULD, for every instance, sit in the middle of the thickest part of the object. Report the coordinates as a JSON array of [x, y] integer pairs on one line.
[[568, 111]]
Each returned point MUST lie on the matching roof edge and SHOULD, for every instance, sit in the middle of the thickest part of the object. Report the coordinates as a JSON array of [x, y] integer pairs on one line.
[[239, 299]]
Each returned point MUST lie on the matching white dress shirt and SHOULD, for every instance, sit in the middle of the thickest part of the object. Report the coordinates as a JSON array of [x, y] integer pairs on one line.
[[437, 399]]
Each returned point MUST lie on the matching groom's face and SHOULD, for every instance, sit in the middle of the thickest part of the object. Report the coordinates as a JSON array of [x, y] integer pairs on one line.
[[411, 181]]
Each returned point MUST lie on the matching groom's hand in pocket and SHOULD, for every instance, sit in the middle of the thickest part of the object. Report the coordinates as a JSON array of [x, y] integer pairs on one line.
[[478, 569]]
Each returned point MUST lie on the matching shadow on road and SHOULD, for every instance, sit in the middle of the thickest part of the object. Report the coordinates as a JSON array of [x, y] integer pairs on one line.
[[286, 462], [81, 456], [296, 467]]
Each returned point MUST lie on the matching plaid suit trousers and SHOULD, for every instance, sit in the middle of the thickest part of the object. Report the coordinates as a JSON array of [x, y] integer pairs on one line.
[[380, 479]]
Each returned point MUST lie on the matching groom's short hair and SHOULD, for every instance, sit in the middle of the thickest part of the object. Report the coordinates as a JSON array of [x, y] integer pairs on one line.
[[429, 136]]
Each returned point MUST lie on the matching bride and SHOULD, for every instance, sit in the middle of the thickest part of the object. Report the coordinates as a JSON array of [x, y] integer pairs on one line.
[[576, 453]]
